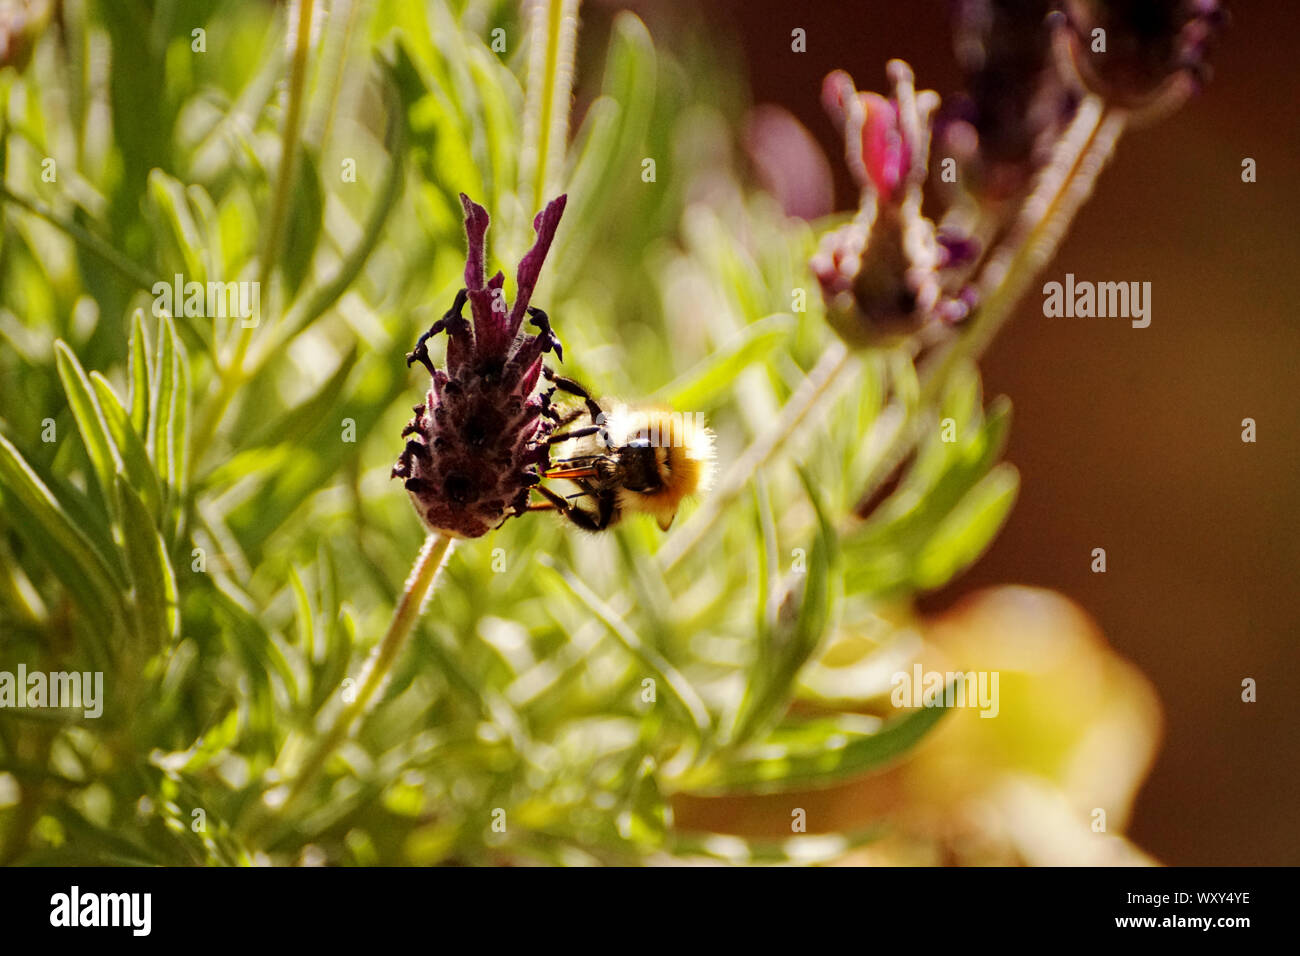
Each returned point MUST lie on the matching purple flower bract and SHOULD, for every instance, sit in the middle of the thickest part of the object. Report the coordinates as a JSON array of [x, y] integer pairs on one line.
[[478, 444]]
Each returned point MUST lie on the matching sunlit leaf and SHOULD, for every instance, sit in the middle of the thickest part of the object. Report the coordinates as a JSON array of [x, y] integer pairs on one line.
[[104, 456], [152, 578], [816, 753], [79, 565], [130, 446]]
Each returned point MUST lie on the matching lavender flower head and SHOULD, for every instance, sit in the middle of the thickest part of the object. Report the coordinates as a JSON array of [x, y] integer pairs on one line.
[[1014, 103], [879, 274], [1155, 49], [478, 444]]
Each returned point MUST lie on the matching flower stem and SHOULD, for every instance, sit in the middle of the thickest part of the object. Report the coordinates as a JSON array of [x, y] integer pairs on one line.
[[1065, 185], [419, 585]]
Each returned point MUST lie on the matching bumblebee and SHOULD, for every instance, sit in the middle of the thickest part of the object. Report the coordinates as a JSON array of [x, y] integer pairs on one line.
[[639, 460]]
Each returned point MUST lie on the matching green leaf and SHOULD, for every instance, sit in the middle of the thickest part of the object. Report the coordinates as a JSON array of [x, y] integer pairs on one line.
[[787, 640], [77, 563], [172, 215], [610, 140], [307, 415], [885, 549], [962, 536], [304, 615], [259, 658], [104, 457], [218, 739], [154, 582], [680, 691], [169, 409], [502, 105], [314, 302], [700, 386], [813, 754], [130, 446], [137, 369], [304, 231]]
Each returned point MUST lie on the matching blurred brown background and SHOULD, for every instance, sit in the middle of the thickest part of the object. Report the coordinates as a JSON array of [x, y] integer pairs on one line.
[[1130, 439]]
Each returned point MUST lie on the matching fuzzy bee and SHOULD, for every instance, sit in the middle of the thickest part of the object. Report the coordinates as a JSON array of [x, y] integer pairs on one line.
[[640, 460]]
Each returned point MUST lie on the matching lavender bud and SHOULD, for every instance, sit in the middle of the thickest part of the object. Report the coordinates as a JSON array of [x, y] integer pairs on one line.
[[879, 274]]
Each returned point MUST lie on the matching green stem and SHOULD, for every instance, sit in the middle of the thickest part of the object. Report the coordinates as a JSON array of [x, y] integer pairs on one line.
[[418, 587], [1065, 185]]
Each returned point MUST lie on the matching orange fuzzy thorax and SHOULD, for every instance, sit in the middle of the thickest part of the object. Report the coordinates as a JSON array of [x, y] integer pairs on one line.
[[683, 449]]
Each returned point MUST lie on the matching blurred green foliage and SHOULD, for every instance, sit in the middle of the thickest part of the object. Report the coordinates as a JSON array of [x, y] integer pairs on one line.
[[201, 529]]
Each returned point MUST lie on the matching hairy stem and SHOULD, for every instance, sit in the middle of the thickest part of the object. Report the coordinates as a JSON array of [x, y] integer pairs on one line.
[[1063, 188]]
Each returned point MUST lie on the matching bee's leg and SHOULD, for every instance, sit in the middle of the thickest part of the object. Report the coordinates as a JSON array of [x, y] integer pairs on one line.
[[573, 433], [550, 341], [583, 519], [571, 387], [568, 418], [450, 318]]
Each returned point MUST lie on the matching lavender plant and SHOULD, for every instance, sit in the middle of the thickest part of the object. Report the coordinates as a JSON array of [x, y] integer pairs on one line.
[[211, 525]]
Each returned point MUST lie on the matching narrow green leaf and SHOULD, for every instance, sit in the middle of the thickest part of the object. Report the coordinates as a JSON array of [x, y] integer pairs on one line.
[[172, 213], [814, 754], [885, 549], [787, 642], [316, 300], [169, 408], [308, 414], [501, 106], [304, 615], [104, 457], [699, 387], [306, 215], [154, 582], [130, 446], [680, 690], [968, 529], [553, 33], [81, 568], [137, 369], [216, 740], [610, 141], [180, 417]]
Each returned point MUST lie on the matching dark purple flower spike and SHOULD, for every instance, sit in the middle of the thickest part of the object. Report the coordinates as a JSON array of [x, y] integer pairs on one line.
[[477, 446], [1157, 51], [1014, 103]]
